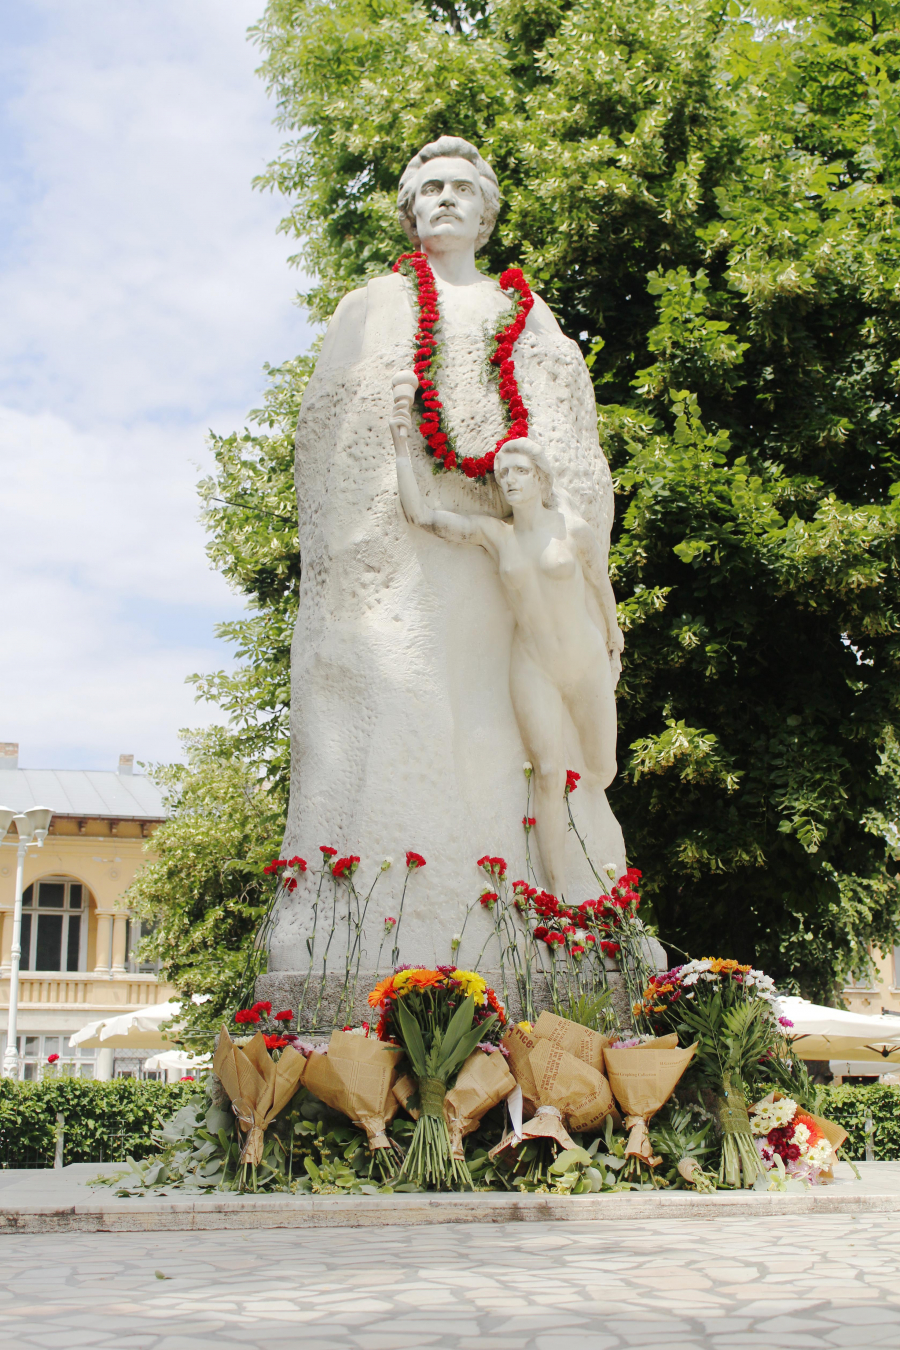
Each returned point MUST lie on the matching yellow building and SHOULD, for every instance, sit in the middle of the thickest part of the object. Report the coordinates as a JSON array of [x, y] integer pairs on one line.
[[879, 990], [78, 940]]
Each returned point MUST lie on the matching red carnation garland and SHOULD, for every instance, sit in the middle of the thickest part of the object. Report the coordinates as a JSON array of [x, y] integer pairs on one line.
[[434, 425]]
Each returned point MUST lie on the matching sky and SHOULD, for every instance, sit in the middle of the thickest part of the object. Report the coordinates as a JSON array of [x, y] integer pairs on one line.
[[142, 286]]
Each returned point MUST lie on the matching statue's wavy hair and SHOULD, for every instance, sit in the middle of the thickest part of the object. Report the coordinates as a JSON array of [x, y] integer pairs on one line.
[[525, 446], [453, 147]]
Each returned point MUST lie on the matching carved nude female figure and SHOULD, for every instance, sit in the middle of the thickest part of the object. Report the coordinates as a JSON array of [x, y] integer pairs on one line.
[[548, 561]]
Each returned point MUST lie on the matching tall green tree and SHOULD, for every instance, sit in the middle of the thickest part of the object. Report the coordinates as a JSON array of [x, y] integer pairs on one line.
[[706, 195]]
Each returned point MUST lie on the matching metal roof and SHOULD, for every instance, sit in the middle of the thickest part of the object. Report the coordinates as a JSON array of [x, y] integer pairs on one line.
[[83, 793]]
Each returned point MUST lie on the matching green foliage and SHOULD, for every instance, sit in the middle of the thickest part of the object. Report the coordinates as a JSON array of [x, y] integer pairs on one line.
[[103, 1121], [203, 888], [250, 512], [706, 196], [849, 1106]]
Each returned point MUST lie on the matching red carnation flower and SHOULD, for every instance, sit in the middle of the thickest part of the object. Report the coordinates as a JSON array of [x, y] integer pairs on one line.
[[261, 1007], [414, 860], [571, 780], [286, 1016], [51, 1059], [246, 1015], [298, 863], [329, 852], [275, 1042]]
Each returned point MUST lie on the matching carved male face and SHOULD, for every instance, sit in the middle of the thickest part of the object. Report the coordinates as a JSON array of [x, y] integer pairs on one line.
[[448, 200]]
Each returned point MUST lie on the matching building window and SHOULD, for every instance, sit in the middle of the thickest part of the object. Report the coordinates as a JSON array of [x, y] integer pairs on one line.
[[54, 925], [136, 930], [73, 1062]]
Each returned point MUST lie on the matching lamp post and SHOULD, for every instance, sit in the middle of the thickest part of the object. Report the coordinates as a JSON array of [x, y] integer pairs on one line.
[[32, 827]]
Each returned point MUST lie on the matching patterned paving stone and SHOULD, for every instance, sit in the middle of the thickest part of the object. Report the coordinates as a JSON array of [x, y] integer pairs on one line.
[[730, 1284]]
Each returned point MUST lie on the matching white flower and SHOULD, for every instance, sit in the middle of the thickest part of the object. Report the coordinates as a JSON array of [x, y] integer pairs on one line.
[[821, 1154], [388, 862], [610, 869], [528, 768], [801, 1136]]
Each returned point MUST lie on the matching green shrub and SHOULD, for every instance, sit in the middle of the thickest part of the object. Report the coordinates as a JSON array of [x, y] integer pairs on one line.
[[848, 1105], [104, 1122]]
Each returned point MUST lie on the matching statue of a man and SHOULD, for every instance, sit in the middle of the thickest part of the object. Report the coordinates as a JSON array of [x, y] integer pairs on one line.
[[404, 732]]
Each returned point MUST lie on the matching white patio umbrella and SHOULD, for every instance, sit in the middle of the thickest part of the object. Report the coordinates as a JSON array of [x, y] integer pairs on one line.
[[177, 1061], [834, 1034], [135, 1030]]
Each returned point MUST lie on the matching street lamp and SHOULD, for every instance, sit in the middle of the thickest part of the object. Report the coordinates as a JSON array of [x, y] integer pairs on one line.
[[32, 827]]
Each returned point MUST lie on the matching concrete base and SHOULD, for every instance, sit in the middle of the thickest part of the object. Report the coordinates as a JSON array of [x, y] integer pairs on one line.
[[323, 1008], [63, 1201]]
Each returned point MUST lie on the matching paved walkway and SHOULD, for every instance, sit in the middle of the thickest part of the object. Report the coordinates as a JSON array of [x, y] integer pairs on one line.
[[778, 1283]]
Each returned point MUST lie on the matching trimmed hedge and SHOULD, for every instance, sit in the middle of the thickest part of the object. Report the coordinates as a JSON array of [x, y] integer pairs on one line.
[[849, 1105], [108, 1121], [103, 1121]]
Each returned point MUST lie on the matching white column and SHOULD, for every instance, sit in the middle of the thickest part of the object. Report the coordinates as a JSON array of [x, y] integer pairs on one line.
[[104, 1065], [101, 959], [118, 943]]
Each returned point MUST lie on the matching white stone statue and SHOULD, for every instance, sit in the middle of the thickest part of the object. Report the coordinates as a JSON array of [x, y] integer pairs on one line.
[[424, 676]]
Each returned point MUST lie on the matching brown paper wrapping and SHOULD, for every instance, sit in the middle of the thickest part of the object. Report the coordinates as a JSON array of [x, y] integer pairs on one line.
[[257, 1085], [575, 1039], [642, 1079], [356, 1077], [569, 1091], [483, 1082], [520, 1043]]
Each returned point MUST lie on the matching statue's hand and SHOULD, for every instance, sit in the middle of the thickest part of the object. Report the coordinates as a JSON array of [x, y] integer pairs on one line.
[[615, 664], [400, 423]]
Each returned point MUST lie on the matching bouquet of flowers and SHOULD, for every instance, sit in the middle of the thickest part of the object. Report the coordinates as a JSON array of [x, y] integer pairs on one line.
[[438, 1016], [643, 1077], [482, 1083], [803, 1144], [729, 1010], [356, 1077], [558, 1065], [257, 1084]]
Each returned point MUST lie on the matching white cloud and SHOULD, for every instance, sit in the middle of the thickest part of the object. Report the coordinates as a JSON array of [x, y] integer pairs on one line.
[[142, 286]]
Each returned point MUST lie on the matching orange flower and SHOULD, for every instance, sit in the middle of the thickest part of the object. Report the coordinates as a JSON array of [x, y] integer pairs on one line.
[[381, 991], [424, 979], [815, 1134]]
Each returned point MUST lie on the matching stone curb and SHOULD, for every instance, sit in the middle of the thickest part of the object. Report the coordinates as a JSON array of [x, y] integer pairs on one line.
[[90, 1213]]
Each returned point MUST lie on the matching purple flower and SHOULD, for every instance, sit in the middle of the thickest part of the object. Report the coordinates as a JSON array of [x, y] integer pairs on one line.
[[785, 1022]]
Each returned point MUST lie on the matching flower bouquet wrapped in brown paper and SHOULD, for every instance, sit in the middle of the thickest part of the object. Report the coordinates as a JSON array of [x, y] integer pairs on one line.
[[258, 1086], [565, 1090], [357, 1077], [482, 1083], [643, 1078], [576, 1040]]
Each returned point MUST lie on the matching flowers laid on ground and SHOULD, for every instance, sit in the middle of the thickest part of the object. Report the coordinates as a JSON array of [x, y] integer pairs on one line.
[[434, 426], [438, 1017], [793, 1142], [729, 1010]]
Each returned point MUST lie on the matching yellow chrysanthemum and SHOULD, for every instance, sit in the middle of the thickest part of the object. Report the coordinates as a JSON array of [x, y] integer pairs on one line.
[[471, 984]]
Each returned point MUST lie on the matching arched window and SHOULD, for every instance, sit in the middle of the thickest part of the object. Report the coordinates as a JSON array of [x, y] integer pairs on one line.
[[54, 925]]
